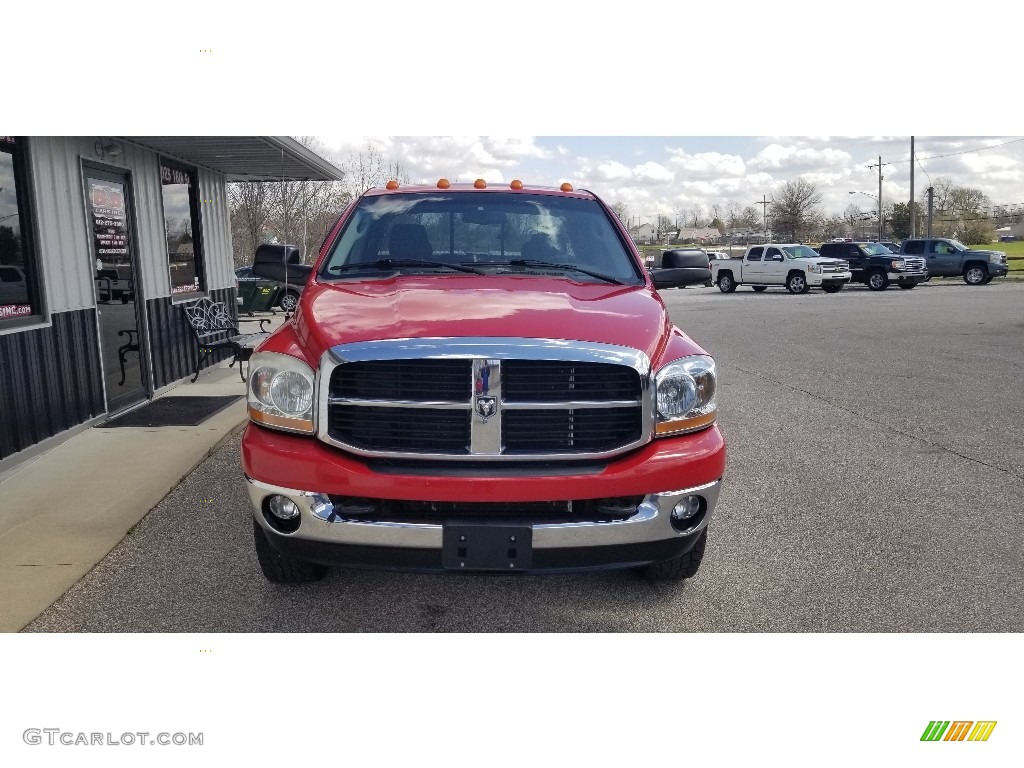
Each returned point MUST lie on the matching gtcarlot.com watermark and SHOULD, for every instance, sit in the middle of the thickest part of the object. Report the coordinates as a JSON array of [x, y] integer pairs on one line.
[[56, 737]]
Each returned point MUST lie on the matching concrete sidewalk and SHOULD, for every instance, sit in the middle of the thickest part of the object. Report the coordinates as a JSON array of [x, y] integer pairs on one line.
[[64, 510]]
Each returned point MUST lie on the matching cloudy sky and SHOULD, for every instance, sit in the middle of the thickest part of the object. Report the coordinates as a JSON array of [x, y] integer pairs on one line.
[[663, 174]]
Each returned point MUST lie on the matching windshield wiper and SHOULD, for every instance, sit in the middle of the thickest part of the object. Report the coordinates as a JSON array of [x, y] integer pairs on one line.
[[388, 264], [552, 265]]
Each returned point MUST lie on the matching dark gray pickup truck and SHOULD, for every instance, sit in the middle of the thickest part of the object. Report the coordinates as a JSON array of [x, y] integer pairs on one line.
[[951, 258]]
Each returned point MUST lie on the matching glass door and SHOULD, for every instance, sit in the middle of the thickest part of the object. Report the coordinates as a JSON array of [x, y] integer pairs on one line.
[[108, 211]]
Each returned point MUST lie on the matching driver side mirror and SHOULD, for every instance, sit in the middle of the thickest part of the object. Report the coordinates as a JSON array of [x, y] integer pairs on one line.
[[677, 277]]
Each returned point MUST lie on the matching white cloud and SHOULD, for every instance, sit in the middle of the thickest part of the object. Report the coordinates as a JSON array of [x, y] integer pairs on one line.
[[794, 158], [613, 171], [653, 173], [706, 164]]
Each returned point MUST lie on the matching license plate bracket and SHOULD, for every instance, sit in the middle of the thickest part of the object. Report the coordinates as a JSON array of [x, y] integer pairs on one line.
[[487, 547]]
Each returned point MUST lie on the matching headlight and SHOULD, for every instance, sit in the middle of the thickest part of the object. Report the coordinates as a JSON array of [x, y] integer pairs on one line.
[[814, 268], [281, 392], [897, 264], [996, 257], [686, 396]]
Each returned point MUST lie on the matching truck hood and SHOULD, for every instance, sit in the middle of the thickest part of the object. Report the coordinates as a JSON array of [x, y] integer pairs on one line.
[[416, 306]]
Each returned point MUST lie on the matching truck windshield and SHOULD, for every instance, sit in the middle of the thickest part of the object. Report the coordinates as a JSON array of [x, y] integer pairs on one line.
[[958, 245], [800, 252], [491, 232], [874, 249]]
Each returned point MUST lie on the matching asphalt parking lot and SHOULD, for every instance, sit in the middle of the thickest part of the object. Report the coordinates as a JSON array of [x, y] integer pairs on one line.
[[875, 482]]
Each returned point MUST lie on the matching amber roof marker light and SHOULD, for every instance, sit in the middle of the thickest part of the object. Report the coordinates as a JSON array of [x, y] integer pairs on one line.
[[391, 185], [480, 184], [516, 184], [566, 186], [443, 183]]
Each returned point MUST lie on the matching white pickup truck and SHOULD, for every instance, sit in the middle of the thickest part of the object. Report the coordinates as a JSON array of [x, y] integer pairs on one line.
[[797, 267]]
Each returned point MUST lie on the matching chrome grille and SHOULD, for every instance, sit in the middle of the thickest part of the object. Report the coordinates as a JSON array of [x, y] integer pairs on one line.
[[487, 399], [913, 264], [831, 267]]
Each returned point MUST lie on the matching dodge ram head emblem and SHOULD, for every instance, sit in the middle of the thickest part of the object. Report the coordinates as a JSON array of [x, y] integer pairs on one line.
[[486, 407]]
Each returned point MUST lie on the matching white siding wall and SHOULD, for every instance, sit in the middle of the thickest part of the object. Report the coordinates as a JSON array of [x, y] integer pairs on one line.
[[68, 267]]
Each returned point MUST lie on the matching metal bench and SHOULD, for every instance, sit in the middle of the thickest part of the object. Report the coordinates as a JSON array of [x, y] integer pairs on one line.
[[216, 330]]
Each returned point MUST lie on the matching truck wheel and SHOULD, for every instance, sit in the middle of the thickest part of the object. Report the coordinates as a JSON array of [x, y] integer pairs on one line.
[[906, 285], [282, 569], [975, 274], [289, 300], [797, 283], [760, 288], [832, 288], [682, 567], [878, 281], [726, 284]]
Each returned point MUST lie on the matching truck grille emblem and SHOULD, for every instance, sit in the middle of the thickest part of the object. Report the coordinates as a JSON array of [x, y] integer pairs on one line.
[[486, 407]]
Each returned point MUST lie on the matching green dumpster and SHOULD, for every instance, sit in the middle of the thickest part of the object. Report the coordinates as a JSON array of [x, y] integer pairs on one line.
[[256, 295]]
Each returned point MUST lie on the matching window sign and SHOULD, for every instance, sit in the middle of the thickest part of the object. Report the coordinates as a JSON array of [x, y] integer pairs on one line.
[[181, 225]]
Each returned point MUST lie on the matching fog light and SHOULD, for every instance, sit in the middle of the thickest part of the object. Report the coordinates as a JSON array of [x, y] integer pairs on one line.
[[686, 508], [284, 508]]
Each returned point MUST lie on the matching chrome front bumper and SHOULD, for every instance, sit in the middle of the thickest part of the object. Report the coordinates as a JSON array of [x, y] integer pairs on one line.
[[319, 523]]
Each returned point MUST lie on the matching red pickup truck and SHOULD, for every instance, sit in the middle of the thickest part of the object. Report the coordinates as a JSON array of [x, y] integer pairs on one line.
[[481, 378]]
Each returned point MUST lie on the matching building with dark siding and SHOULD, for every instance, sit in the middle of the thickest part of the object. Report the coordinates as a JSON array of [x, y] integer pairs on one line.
[[102, 240]]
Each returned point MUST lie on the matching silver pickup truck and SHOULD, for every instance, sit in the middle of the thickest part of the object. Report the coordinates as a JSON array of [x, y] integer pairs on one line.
[[945, 257]]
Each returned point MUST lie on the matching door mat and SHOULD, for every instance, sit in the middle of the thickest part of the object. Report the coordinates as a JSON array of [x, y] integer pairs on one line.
[[173, 412]]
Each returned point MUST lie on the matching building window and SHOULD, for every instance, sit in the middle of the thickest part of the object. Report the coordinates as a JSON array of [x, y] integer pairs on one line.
[[181, 224], [18, 294]]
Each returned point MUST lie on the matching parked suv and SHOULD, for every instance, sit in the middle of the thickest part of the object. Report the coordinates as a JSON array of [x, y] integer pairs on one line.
[[876, 266], [945, 257], [481, 378]]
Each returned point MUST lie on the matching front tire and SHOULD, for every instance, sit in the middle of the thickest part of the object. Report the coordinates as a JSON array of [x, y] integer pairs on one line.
[[975, 274], [797, 283], [282, 569], [726, 284], [878, 281], [682, 567]]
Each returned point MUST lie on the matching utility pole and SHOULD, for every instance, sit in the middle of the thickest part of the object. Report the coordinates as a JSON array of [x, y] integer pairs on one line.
[[913, 218], [931, 200], [881, 223], [763, 202]]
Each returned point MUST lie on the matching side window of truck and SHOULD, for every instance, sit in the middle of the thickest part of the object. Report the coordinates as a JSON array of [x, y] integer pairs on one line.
[[772, 252], [755, 254], [915, 247]]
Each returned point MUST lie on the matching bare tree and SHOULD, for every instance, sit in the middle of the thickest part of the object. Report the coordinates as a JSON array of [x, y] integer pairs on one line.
[[251, 209], [621, 211], [794, 209]]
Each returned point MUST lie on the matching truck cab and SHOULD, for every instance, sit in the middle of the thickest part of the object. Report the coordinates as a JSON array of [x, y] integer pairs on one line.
[[946, 257]]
